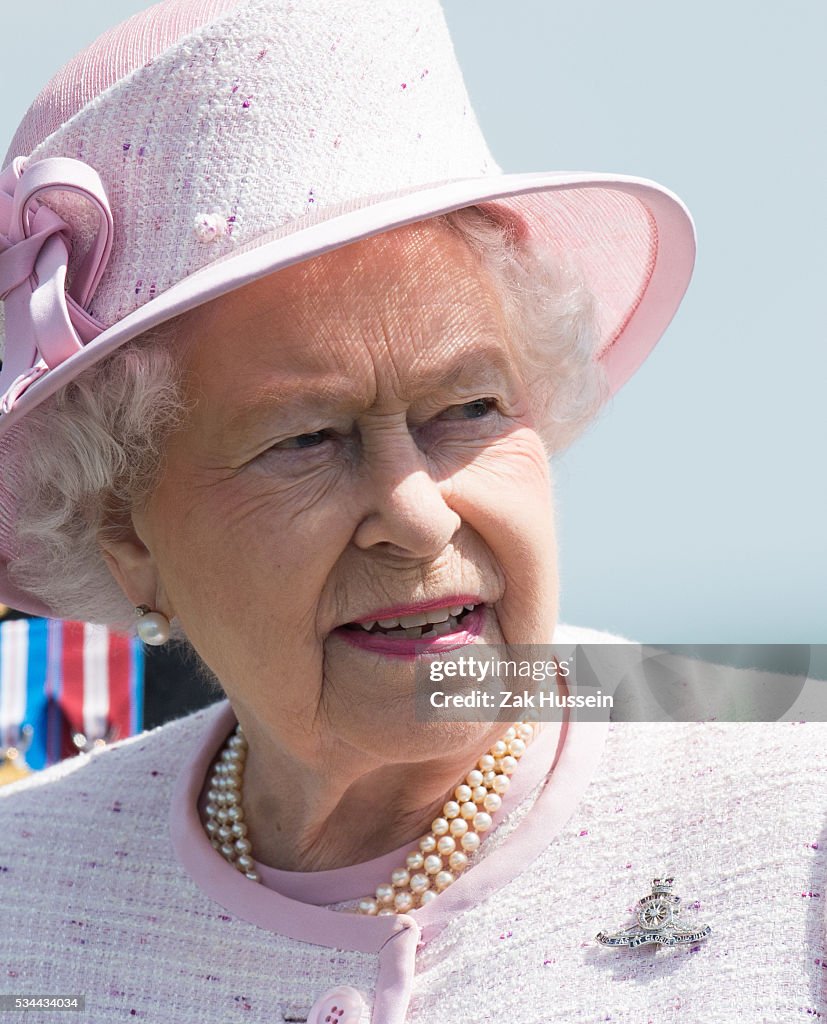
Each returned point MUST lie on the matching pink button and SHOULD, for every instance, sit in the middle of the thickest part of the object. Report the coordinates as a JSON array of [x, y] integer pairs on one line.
[[340, 1005]]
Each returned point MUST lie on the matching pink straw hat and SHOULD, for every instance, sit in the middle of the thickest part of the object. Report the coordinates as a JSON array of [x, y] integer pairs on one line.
[[203, 144]]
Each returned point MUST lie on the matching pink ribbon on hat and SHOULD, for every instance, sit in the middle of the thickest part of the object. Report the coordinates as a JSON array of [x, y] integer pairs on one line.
[[45, 322]]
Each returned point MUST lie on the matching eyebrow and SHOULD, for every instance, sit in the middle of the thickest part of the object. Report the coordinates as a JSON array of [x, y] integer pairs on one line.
[[334, 394]]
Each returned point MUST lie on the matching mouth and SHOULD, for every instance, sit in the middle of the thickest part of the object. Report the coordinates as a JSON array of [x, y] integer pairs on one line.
[[405, 633], [422, 625]]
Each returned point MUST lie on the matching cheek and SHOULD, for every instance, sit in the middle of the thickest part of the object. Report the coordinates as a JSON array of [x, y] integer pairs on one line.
[[505, 496], [252, 555], [507, 484]]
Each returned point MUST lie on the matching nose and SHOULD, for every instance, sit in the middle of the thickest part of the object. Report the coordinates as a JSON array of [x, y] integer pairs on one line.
[[407, 510]]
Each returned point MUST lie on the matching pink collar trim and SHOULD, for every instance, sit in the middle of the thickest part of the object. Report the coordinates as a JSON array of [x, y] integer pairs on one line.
[[292, 908]]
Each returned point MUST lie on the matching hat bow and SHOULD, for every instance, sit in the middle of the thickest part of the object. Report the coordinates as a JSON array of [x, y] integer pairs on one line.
[[46, 322]]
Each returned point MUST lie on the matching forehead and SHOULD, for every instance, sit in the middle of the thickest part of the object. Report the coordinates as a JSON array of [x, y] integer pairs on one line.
[[404, 304]]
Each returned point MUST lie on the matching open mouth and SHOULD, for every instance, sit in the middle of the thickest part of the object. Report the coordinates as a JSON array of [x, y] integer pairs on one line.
[[424, 625]]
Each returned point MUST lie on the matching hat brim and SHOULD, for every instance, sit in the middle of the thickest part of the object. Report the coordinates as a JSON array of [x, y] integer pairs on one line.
[[632, 240]]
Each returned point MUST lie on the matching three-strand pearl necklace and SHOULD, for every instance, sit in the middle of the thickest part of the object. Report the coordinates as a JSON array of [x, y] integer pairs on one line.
[[442, 854]]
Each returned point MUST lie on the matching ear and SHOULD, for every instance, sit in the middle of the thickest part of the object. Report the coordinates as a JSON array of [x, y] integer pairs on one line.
[[133, 567]]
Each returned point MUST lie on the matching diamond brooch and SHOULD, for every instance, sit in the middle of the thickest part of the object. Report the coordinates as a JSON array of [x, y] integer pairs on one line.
[[657, 921]]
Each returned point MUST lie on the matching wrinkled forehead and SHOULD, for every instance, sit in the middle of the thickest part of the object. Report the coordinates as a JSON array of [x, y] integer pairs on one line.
[[409, 301]]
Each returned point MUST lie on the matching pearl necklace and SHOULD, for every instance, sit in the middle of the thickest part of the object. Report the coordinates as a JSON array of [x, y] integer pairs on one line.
[[442, 854]]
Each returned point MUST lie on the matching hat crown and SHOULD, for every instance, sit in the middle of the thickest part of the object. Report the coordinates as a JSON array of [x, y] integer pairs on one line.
[[267, 113], [108, 59]]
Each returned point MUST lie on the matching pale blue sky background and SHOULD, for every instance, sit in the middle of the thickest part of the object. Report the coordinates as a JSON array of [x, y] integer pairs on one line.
[[694, 511]]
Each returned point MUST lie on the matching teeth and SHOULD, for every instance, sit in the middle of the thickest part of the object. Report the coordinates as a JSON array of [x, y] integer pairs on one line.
[[443, 621], [437, 629], [440, 614], [417, 619], [420, 618], [420, 633]]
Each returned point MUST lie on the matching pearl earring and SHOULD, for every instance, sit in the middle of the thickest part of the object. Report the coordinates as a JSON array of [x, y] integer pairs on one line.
[[152, 627]]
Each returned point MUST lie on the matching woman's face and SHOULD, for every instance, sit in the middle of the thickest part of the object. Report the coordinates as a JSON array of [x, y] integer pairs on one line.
[[361, 448]]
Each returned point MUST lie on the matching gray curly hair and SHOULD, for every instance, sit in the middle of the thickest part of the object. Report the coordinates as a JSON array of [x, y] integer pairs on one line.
[[96, 446]]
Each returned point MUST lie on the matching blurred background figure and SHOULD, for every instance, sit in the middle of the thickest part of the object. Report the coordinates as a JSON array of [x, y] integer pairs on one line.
[[66, 687]]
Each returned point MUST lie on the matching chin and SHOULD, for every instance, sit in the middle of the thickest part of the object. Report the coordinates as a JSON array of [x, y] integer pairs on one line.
[[424, 741]]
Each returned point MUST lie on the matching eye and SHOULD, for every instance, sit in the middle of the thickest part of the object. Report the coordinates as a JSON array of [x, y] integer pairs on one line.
[[311, 440], [470, 410]]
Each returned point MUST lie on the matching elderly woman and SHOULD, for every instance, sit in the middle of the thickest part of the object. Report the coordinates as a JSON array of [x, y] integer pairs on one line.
[[285, 360]]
